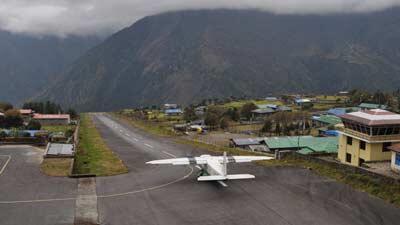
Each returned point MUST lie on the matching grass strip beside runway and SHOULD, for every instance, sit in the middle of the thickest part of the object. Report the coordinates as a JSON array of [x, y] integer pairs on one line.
[[93, 155], [56, 167]]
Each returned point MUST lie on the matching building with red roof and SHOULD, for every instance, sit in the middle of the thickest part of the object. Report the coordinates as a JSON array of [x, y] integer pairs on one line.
[[52, 119]]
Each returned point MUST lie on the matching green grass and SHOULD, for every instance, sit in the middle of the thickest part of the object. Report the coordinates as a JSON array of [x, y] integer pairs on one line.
[[59, 128], [389, 192], [93, 155], [157, 128], [386, 191], [239, 104], [56, 167]]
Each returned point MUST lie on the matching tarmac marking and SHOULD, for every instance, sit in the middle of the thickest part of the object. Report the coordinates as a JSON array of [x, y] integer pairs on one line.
[[86, 203], [150, 188], [5, 164], [169, 154], [148, 145], [38, 200]]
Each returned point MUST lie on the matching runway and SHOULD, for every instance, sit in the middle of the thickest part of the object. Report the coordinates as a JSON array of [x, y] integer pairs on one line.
[[171, 195]]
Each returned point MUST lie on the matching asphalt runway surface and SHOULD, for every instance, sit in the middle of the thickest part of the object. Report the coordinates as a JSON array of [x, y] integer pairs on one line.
[[171, 195], [27, 196]]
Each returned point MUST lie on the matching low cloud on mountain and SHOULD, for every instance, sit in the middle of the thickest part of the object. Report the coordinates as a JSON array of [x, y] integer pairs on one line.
[[88, 17]]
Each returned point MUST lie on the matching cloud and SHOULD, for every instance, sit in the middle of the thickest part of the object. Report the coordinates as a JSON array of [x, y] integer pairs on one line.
[[88, 17]]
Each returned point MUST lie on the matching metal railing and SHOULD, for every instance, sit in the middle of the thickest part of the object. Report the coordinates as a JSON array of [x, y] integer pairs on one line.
[[375, 138]]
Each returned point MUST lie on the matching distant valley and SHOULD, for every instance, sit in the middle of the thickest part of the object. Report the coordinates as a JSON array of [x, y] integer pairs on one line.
[[29, 64]]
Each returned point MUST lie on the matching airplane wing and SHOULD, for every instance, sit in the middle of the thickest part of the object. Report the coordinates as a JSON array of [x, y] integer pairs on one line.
[[179, 161], [243, 159]]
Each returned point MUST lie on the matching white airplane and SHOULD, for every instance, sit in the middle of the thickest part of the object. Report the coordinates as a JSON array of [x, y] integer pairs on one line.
[[213, 168]]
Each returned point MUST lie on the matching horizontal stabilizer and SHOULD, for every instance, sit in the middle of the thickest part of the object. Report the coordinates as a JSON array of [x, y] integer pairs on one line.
[[228, 177], [211, 178], [240, 176]]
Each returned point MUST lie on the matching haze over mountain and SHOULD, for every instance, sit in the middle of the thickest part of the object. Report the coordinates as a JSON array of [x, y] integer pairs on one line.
[[191, 55], [28, 64]]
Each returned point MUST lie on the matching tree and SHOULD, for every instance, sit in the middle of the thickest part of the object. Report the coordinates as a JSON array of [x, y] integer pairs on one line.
[[43, 107], [33, 125], [12, 118], [224, 123], [267, 127], [189, 114], [233, 114], [5, 106], [3, 134], [72, 113], [247, 110], [286, 129], [277, 128], [211, 119]]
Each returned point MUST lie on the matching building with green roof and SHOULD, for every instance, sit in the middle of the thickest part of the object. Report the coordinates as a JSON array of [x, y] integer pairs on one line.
[[304, 144], [325, 120], [367, 106]]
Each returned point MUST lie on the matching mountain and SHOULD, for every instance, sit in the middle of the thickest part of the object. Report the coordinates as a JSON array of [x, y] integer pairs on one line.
[[186, 56], [29, 63]]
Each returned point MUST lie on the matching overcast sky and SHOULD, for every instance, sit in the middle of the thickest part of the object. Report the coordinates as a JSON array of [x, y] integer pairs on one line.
[[86, 17]]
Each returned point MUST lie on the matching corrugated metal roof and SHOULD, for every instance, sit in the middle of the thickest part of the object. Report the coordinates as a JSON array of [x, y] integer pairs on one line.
[[316, 144], [25, 111], [55, 149], [328, 119], [170, 111], [372, 106], [373, 117], [247, 141], [263, 111], [51, 116], [284, 108], [302, 100]]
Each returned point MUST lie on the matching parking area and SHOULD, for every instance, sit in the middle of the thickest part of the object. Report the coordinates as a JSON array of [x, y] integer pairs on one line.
[[4, 160], [29, 197]]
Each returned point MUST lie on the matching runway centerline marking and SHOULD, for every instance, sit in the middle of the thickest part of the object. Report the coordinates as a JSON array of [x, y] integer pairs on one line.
[[150, 188], [169, 154], [6, 163], [148, 145]]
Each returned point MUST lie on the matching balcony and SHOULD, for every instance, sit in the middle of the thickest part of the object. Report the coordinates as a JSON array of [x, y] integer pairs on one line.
[[380, 138]]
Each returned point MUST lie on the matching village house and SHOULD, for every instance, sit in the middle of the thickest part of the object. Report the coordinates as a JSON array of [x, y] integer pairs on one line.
[[325, 120], [26, 114], [395, 160], [173, 112], [52, 119], [368, 106]]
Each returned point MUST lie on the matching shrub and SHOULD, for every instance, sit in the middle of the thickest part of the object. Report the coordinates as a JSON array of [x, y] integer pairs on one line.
[[69, 133], [34, 125], [3, 134], [246, 110]]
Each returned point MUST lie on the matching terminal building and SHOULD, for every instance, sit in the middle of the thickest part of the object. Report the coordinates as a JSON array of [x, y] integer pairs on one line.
[[368, 135]]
